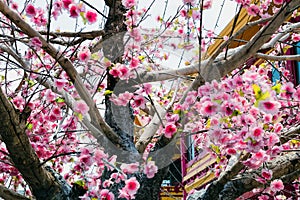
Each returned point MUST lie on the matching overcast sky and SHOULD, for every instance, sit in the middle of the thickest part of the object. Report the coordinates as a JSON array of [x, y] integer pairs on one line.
[[209, 16]]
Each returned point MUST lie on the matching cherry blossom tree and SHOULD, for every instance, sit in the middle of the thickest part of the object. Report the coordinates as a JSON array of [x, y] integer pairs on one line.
[[96, 114]]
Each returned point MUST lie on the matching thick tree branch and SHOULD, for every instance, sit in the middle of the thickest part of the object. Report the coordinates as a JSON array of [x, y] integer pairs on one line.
[[8, 194]]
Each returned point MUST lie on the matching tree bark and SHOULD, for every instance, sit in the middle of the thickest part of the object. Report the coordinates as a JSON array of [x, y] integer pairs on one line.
[[8, 194], [120, 118]]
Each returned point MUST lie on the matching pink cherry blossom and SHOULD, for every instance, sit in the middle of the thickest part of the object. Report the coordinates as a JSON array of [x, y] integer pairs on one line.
[[99, 155], [296, 37], [231, 151], [81, 107], [39, 18], [170, 130], [132, 186], [67, 3], [122, 99], [150, 169], [60, 84], [36, 43], [192, 2], [257, 133], [191, 98], [136, 34], [147, 87], [278, 2], [121, 71], [74, 10], [130, 168], [118, 177], [50, 96], [107, 195], [207, 4], [139, 101], [276, 185], [271, 107], [107, 183], [114, 72], [91, 16], [58, 5], [273, 138], [172, 118], [253, 10], [128, 3], [195, 16], [84, 55], [183, 13], [288, 90], [208, 108], [260, 155], [124, 194], [56, 111], [15, 6], [263, 197], [30, 10], [296, 94], [134, 62], [86, 159], [266, 174]]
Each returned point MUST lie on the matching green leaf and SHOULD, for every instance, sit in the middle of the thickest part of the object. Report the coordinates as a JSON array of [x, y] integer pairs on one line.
[[276, 88], [215, 148], [208, 123], [235, 113], [29, 126], [30, 83], [218, 101], [259, 95], [83, 18], [107, 92], [241, 93], [60, 100], [80, 183], [294, 141], [80, 117], [95, 56], [286, 48]]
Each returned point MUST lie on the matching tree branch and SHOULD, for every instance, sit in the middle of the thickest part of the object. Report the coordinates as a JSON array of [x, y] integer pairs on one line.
[[85, 35], [277, 58], [8, 194]]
